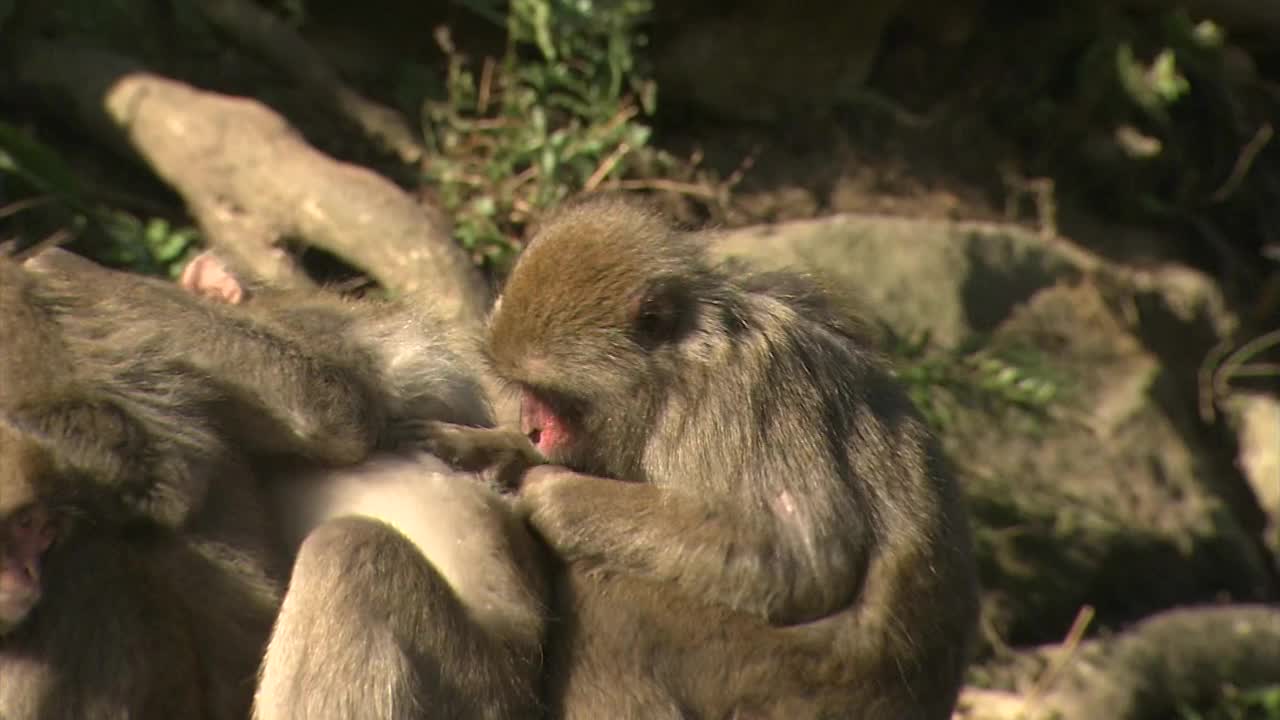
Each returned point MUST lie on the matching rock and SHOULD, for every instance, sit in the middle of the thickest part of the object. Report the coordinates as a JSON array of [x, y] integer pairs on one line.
[[1256, 418], [1112, 500], [952, 279], [759, 60]]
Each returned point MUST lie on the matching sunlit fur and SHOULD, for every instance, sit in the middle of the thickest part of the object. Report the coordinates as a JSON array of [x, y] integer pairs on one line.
[[790, 543]]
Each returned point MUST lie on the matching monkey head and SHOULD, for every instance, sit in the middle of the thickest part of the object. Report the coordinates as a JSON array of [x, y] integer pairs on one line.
[[28, 527], [599, 311]]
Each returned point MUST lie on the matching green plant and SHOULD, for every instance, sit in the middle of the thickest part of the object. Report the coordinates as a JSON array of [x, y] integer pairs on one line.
[[937, 380], [44, 183], [152, 245], [1261, 703], [559, 113]]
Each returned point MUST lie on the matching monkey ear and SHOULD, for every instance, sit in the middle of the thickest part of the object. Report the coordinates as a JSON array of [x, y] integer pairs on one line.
[[662, 314]]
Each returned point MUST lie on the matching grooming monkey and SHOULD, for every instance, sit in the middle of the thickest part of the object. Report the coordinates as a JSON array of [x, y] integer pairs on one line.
[[118, 597], [415, 590], [752, 520]]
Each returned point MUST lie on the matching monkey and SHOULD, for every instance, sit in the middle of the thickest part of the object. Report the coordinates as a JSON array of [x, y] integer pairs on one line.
[[414, 588], [308, 376], [113, 606], [501, 454], [139, 435], [415, 593], [748, 517]]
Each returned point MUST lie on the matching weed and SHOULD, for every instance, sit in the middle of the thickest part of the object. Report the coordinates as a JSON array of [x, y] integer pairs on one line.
[[937, 380], [560, 112], [41, 183]]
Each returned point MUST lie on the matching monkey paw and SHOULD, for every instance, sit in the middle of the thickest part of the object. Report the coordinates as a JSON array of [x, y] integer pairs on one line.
[[442, 440], [454, 444], [548, 498]]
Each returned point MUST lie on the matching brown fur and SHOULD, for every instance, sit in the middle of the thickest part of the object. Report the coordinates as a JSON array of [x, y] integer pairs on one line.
[[156, 600], [782, 538], [301, 375], [415, 590]]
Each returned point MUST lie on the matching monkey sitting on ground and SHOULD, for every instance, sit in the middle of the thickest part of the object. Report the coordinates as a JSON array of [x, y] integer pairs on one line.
[[414, 590], [116, 602], [752, 520]]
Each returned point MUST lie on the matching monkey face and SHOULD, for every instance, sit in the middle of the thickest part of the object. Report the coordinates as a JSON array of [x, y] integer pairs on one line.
[[28, 526], [25, 535], [590, 326], [563, 430]]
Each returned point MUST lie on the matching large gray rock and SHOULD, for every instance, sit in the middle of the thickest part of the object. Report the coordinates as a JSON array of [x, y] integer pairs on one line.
[[952, 279], [763, 60]]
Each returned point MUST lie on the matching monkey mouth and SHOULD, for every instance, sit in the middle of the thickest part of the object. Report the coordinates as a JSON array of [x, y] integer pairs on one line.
[[542, 424]]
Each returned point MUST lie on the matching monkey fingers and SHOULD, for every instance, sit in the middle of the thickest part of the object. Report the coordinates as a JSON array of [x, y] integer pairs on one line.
[[475, 449]]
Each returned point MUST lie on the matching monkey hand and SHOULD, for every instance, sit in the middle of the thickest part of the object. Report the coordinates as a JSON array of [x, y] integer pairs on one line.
[[575, 513], [475, 449], [547, 499], [457, 445]]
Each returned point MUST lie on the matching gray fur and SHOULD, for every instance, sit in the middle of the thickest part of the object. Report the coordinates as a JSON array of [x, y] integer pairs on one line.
[[158, 598], [418, 595]]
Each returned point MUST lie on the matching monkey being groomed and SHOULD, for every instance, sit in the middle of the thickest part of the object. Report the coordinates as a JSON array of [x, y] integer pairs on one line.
[[417, 595], [751, 519], [415, 591]]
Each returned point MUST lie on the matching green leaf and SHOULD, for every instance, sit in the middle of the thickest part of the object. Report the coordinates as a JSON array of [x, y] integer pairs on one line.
[[37, 164]]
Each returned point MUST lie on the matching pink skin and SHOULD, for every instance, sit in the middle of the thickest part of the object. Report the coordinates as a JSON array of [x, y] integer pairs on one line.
[[543, 426], [24, 537], [207, 276]]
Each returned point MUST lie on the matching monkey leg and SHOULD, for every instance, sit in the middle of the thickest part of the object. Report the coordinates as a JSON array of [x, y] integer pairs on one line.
[[418, 595]]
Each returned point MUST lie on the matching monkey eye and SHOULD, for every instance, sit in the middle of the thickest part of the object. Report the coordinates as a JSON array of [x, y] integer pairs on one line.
[[650, 324], [661, 315]]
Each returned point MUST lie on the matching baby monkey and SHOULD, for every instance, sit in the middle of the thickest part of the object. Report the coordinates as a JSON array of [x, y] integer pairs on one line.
[[750, 517]]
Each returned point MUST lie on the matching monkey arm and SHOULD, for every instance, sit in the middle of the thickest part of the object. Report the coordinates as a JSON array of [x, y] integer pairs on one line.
[[777, 570], [287, 397]]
